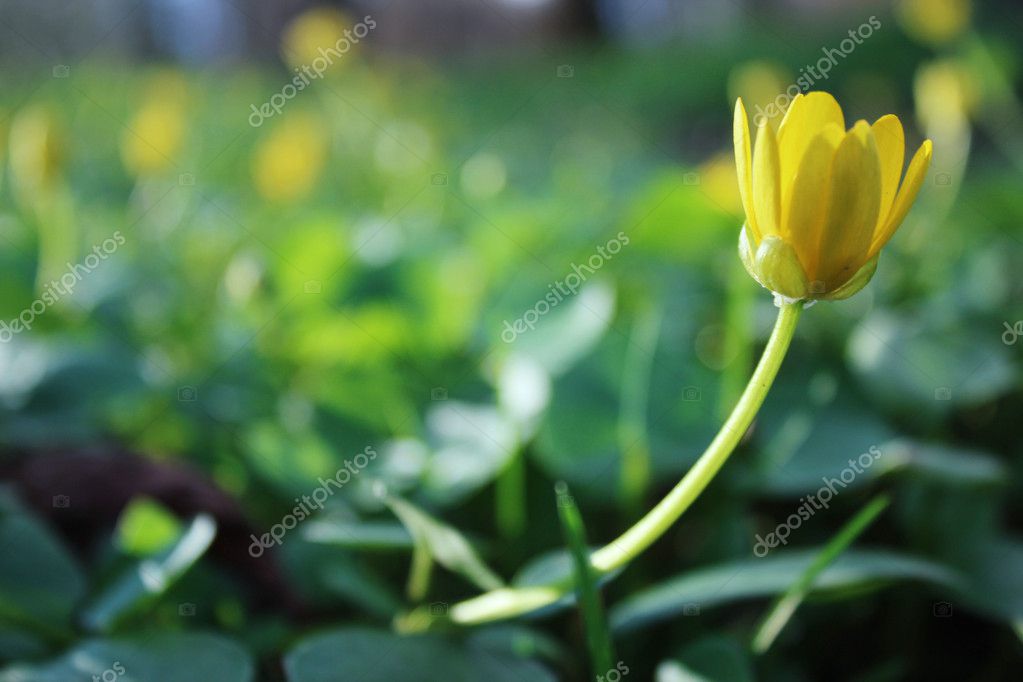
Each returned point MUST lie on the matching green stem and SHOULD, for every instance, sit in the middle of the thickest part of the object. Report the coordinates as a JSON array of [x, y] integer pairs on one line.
[[510, 497], [510, 602], [419, 572]]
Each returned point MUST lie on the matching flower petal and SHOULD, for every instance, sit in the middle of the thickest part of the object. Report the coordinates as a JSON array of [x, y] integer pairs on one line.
[[806, 117], [891, 148], [766, 187], [907, 194], [853, 207], [743, 164], [805, 207]]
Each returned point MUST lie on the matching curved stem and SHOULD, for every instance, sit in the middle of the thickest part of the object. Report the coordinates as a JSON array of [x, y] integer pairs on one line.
[[510, 602]]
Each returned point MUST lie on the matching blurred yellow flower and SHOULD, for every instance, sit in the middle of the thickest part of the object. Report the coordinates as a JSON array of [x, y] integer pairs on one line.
[[945, 94], [717, 180], [763, 87], [313, 34], [3, 142], [821, 201], [155, 134], [935, 21], [288, 162], [37, 151]]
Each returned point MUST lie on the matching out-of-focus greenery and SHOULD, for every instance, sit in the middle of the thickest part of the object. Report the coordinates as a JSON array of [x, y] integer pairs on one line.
[[339, 277]]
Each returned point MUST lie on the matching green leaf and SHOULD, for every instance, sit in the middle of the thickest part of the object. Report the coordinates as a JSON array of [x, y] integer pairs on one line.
[[146, 527], [953, 465], [149, 578], [471, 445], [166, 657], [358, 534], [995, 587], [758, 578], [444, 544], [40, 582], [374, 656], [713, 659], [799, 426], [580, 440], [568, 332], [923, 367]]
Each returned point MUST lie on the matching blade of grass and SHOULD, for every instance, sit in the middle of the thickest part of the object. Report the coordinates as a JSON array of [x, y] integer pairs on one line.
[[510, 496], [598, 636], [787, 604], [632, 422]]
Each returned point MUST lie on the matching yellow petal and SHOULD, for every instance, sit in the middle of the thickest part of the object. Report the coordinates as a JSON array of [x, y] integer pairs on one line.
[[766, 187], [743, 165], [853, 207], [907, 194], [806, 117], [891, 148], [805, 207]]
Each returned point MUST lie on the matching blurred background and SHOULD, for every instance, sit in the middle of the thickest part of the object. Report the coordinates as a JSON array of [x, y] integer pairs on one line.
[[305, 308]]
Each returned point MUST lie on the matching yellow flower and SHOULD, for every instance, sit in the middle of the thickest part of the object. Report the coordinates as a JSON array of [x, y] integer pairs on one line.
[[288, 162], [37, 151], [154, 137], [935, 21], [156, 133], [820, 200], [318, 33]]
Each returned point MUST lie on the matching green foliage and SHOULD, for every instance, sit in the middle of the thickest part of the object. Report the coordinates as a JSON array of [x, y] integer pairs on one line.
[[250, 349]]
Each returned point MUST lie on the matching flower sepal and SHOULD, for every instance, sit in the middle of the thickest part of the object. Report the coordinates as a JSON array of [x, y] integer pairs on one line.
[[774, 265], [855, 283]]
